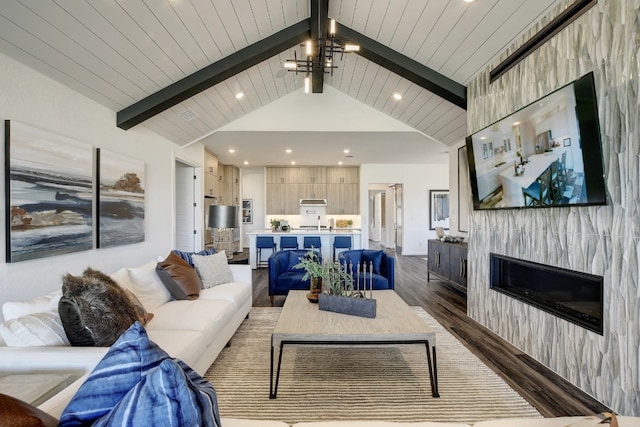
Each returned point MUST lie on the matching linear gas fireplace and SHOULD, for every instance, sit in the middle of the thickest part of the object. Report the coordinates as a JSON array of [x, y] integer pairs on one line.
[[571, 295]]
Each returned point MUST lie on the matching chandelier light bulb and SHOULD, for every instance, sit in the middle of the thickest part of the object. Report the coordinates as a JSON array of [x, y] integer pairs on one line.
[[309, 49], [350, 47], [307, 84], [332, 27]]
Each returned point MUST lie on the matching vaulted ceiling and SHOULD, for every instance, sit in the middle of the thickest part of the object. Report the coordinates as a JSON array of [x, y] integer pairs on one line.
[[124, 53]]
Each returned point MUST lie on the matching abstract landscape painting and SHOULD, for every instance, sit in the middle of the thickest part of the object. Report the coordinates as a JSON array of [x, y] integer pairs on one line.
[[49, 193], [121, 200]]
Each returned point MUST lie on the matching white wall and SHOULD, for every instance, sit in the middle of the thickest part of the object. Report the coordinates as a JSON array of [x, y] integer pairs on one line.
[[29, 97], [253, 187], [416, 180]]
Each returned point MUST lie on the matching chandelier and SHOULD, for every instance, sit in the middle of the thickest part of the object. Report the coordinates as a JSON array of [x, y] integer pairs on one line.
[[319, 56]]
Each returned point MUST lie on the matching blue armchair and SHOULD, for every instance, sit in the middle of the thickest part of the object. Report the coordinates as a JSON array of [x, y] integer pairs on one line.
[[283, 277], [383, 267]]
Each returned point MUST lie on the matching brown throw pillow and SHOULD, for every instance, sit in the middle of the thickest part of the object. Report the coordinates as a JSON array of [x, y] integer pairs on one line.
[[179, 277], [16, 413], [94, 310]]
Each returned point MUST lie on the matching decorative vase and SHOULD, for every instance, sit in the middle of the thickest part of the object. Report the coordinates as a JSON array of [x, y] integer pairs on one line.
[[316, 289]]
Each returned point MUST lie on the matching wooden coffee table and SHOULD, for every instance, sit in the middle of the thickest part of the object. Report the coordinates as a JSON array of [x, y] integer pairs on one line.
[[302, 323]]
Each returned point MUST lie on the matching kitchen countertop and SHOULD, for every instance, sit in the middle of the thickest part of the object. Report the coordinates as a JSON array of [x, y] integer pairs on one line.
[[309, 231]]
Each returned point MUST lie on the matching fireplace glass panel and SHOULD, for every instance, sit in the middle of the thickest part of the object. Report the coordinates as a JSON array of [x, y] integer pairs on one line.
[[571, 295]]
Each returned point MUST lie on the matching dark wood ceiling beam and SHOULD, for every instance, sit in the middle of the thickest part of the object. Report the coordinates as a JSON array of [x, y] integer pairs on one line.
[[213, 74], [406, 67], [319, 30]]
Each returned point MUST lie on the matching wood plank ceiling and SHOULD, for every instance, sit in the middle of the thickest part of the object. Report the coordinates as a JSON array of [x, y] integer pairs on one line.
[[118, 52]]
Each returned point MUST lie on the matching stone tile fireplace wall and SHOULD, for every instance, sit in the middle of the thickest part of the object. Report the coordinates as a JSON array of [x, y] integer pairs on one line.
[[602, 240]]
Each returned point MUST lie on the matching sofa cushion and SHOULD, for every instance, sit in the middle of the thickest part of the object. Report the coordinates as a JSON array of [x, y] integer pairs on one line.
[[235, 292], [36, 329], [15, 309], [143, 315], [213, 269], [187, 256], [148, 287], [16, 413], [206, 316], [94, 310], [292, 280], [121, 277], [367, 280], [374, 257], [179, 277], [181, 344], [294, 258]]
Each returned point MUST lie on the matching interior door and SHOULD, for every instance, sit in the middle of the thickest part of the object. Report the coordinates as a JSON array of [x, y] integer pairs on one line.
[[185, 208], [398, 199]]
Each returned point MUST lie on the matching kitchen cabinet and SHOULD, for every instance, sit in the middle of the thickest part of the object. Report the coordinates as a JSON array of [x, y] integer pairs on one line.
[[339, 185], [343, 175], [448, 261], [210, 175], [343, 199], [231, 185]]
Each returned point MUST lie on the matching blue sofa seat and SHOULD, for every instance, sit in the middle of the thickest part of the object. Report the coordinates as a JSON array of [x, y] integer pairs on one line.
[[283, 277], [383, 276]]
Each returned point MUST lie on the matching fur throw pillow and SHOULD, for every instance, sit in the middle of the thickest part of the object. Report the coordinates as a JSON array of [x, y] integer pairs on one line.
[[94, 310]]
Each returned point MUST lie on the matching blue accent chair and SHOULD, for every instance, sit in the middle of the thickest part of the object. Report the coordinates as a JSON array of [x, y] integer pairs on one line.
[[283, 277], [383, 276]]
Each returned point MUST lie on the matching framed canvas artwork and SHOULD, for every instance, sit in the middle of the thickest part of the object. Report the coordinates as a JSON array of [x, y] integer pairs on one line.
[[120, 199], [48, 193], [438, 209]]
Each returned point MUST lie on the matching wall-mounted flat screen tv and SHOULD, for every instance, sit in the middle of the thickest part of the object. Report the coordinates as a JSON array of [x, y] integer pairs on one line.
[[546, 154]]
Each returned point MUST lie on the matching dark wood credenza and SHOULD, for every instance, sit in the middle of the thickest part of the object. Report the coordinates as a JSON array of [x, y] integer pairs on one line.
[[448, 262]]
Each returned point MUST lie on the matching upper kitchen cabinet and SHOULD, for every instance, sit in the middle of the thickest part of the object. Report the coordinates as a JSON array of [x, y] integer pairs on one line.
[[312, 175], [283, 175], [210, 175], [343, 175]]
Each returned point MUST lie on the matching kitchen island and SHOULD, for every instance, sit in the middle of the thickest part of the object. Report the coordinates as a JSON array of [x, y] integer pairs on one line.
[[326, 240]]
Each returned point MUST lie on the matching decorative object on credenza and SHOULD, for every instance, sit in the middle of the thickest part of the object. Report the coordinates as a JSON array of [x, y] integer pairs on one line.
[[120, 199], [48, 193], [223, 220]]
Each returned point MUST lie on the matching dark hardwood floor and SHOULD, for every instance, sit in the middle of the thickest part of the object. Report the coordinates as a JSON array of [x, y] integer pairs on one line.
[[547, 392]]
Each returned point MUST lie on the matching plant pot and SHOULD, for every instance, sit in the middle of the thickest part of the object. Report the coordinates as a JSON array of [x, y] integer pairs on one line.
[[316, 289], [347, 305]]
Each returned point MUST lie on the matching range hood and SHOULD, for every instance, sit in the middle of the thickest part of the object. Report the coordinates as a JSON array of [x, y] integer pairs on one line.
[[315, 203]]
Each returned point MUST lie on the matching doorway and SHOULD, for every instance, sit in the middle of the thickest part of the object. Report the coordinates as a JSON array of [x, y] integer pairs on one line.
[[383, 211], [398, 198], [187, 215]]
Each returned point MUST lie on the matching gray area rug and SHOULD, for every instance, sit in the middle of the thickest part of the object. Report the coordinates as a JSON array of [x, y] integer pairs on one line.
[[381, 383]]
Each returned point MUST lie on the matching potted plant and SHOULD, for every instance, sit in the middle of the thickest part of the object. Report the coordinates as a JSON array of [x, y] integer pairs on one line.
[[275, 224], [324, 274]]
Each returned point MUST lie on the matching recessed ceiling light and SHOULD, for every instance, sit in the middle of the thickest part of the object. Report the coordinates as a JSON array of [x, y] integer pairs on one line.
[[288, 150], [397, 96], [239, 95], [469, 1], [340, 163], [347, 151], [231, 150], [293, 162], [246, 162], [516, 123]]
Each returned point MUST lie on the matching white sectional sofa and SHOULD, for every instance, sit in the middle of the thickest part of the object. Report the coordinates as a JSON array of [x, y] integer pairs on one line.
[[194, 331]]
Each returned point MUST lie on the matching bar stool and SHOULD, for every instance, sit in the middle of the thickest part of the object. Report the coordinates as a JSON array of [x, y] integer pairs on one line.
[[312, 241], [264, 242], [288, 242], [341, 242]]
